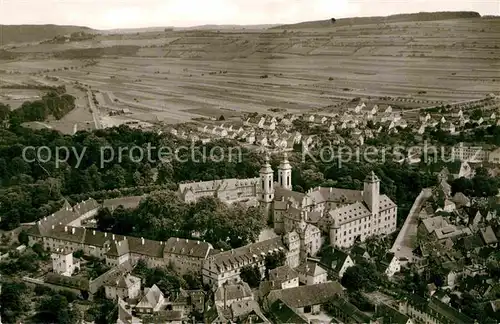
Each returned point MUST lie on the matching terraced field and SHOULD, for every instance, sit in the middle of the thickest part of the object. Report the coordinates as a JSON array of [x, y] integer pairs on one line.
[[176, 76]]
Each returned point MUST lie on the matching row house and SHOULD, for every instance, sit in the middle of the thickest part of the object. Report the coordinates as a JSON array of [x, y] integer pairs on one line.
[[185, 255]]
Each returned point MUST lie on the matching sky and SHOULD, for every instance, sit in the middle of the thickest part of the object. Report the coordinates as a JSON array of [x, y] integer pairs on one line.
[[111, 14]]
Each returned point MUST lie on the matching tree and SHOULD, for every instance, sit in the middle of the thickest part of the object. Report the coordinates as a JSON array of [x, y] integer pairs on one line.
[[275, 260], [476, 114], [193, 281], [14, 301], [251, 275], [78, 254], [56, 309], [361, 277], [23, 237], [4, 112], [104, 311]]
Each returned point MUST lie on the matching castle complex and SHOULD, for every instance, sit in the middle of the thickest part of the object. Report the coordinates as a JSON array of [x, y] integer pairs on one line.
[[302, 221], [344, 215]]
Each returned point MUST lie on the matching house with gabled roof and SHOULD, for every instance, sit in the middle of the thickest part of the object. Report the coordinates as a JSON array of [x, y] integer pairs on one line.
[[281, 313], [359, 253], [305, 299], [488, 236], [345, 312], [387, 314], [432, 310], [125, 314], [284, 276], [228, 293], [122, 287], [390, 264], [336, 262], [461, 200], [151, 302], [311, 273]]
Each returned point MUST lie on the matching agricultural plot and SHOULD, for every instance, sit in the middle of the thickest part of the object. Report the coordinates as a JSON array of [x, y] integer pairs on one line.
[[16, 97], [176, 77]]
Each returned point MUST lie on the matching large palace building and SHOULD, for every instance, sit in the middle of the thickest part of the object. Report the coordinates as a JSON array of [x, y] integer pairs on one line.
[[345, 215]]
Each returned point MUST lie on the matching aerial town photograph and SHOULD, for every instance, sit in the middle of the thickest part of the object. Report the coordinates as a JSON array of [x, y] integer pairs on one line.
[[249, 161]]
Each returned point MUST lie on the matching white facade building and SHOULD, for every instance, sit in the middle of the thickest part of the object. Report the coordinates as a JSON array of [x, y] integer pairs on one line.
[[63, 263]]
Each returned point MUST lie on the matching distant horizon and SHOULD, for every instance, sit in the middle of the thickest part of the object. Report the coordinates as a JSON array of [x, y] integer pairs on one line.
[[135, 14], [242, 25]]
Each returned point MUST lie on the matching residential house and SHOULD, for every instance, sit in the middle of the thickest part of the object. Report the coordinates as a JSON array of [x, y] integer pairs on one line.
[[281, 313], [432, 311], [488, 236], [461, 200], [336, 262], [239, 312], [151, 302], [387, 314], [230, 293], [123, 287], [125, 314], [359, 253], [345, 312], [390, 264], [284, 276], [306, 299], [494, 156], [311, 273], [63, 262]]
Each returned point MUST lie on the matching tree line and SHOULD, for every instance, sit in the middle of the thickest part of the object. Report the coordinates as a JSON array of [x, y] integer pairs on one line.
[[29, 191], [163, 214]]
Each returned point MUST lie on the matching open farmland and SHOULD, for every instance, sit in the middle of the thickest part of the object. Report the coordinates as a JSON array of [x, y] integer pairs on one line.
[[175, 76]]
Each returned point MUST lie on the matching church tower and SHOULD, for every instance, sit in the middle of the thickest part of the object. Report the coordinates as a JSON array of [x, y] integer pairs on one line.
[[371, 193], [267, 186], [285, 173]]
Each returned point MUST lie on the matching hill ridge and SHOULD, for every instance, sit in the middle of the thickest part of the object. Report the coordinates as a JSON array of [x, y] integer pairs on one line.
[[418, 16]]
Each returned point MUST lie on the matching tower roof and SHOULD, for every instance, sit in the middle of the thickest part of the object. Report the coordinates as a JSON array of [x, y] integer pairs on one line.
[[285, 165], [372, 177], [266, 167]]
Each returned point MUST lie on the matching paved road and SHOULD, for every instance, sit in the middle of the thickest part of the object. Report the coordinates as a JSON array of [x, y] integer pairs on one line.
[[402, 247], [95, 111]]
